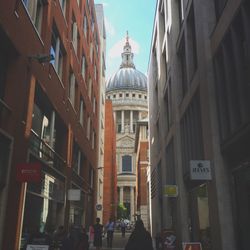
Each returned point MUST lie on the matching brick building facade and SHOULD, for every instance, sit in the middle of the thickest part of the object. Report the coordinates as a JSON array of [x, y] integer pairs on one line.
[[110, 171], [142, 171], [48, 114]]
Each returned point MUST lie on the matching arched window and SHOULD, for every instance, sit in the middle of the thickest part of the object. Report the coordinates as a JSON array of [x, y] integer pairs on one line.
[[126, 163]]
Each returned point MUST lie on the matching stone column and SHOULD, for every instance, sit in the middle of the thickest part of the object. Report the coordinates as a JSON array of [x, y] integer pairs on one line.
[[132, 203], [131, 121], [139, 115], [121, 195], [122, 121], [114, 114]]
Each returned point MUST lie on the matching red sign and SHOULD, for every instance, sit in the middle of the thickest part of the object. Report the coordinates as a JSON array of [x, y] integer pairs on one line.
[[28, 172], [192, 246]]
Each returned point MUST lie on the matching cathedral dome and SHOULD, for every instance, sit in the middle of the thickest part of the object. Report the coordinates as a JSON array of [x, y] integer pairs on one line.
[[127, 77]]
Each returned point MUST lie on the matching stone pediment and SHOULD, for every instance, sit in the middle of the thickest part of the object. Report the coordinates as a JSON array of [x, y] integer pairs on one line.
[[125, 142]]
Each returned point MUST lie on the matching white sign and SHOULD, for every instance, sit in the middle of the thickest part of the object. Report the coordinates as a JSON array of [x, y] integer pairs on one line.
[[37, 247], [74, 194], [200, 170], [98, 207]]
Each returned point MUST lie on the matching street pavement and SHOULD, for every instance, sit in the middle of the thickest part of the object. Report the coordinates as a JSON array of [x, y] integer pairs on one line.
[[118, 241]]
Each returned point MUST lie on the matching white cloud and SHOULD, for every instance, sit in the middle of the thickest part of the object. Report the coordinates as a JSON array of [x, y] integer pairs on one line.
[[117, 48], [109, 27]]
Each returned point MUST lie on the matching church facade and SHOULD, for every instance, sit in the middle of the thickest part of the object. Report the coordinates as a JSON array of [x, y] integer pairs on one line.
[[127, 89]]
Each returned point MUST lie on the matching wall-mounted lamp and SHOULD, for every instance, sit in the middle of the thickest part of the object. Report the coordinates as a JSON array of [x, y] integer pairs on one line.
[[41, 58]]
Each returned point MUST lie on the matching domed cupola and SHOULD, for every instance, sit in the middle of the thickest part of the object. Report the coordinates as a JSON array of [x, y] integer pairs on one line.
[[127, 77]]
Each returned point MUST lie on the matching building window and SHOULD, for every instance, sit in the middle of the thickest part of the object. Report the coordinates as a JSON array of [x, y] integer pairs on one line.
[[191, 134], [183, 68], [84, 66], [120, 95], [114, 96], [72, 88], [233, 77], [92, 23], [35, 9], [93, 140], [181, 10], [77, 159], [85, 26], [118, 122], [133, 95], [57, 51], [127, 94], [91, 177], [90, 88], [81, 116], [191, 44], [4, 59], [95, 73], [44, 126], [139, 96], [168, 103], [74, 33], [63, 4], [91, 52], [126, 163], [145, 97], [94, 105], [88, 128]]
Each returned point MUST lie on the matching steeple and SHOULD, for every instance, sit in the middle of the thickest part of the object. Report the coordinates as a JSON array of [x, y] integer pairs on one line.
[[127, 55]]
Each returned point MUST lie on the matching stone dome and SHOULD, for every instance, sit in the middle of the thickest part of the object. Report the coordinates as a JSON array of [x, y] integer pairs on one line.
[[127, 77]]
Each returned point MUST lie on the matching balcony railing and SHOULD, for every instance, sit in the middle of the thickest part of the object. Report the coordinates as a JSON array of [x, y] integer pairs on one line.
[[130, 101], [41, 149]]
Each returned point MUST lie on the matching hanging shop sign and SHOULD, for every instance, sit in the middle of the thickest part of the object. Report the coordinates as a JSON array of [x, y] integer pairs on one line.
[[191, 246], [74, 194], [200, 170], [170, 190], [28, 172]]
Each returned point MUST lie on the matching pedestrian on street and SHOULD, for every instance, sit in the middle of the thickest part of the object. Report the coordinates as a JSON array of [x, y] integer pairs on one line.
[[84, 240], [58, 237], [123, 228], [140, 238], [91, 235], [98, 230], [110, 227]]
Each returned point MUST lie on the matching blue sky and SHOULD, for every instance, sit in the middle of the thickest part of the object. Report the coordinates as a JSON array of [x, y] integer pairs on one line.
[[134, 16]]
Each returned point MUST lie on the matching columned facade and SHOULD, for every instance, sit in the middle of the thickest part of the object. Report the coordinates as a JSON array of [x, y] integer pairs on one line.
[[128, 91]]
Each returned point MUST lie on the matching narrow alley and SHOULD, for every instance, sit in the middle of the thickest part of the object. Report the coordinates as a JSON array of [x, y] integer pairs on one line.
[[119, 242]]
